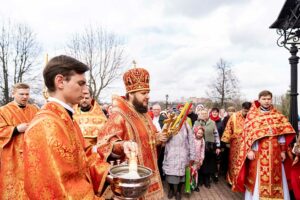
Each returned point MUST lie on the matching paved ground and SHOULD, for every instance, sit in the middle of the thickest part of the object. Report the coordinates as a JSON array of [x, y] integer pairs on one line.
[[219, 191]]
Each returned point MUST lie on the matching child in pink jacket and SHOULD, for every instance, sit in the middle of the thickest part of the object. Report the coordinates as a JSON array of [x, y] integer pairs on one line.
[[200, 149]]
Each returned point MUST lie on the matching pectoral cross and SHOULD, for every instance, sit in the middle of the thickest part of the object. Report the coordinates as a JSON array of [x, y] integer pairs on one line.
[[152, 143]]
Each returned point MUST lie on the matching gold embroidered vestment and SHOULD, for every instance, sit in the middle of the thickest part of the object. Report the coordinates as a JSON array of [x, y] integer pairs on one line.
[[56, 166], [233, 135], [127, 124], [11, 149]]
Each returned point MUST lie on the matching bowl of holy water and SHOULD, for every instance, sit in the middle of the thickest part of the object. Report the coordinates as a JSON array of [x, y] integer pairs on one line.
[[129, 181]]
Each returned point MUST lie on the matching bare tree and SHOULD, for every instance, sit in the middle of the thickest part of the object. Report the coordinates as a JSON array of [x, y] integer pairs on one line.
[[103, 52], [26, 50], [224, 87], [19, 50], [282, 103], [5, 40]]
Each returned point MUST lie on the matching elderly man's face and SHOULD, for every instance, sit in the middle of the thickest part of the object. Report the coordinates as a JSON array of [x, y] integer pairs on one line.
[[156, 110], [204, 115]]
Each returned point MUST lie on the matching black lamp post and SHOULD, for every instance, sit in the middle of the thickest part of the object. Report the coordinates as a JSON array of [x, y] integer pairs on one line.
[[167, 97], [288, 29]]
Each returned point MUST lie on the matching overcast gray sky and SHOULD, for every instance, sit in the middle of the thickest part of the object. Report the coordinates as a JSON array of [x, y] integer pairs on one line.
[[178, 41]]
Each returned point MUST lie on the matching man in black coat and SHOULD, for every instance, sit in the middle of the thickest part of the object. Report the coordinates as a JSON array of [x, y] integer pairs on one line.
[[192, 115]]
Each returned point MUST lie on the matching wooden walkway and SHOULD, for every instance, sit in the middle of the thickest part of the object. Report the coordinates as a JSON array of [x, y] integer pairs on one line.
[[219, 191]]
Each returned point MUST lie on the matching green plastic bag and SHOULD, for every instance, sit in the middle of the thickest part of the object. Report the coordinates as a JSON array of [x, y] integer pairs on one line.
[[187, 180], [194, 177]]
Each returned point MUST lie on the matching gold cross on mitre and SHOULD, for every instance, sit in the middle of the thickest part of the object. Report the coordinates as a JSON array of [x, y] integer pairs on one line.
[[134, 63]]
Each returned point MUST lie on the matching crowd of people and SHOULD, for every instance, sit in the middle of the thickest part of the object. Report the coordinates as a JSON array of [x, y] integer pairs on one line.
[[252, 148], [198, 144], [65, 149]]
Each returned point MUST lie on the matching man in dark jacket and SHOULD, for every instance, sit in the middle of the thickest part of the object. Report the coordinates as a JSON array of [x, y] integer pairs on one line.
[[192, 115]]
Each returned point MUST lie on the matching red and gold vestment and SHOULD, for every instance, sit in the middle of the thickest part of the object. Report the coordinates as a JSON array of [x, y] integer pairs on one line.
[[233, 135], [128, 124], [90, 122], [265, 128], [295, 180], [56, 166], [295, 174], [11, 149]]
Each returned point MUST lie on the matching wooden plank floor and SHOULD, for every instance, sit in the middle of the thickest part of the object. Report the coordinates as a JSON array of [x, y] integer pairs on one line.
[[219, 191]]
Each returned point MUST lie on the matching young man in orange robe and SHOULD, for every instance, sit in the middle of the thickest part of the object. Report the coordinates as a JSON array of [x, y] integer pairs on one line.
[[130, 121], [56, 165], [14, 119], [233, 135], [266, 136]]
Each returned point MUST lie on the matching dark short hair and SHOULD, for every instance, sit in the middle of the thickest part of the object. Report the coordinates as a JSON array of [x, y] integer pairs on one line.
[[64, 65], [246, 105], [265, 93], [215, 109]]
